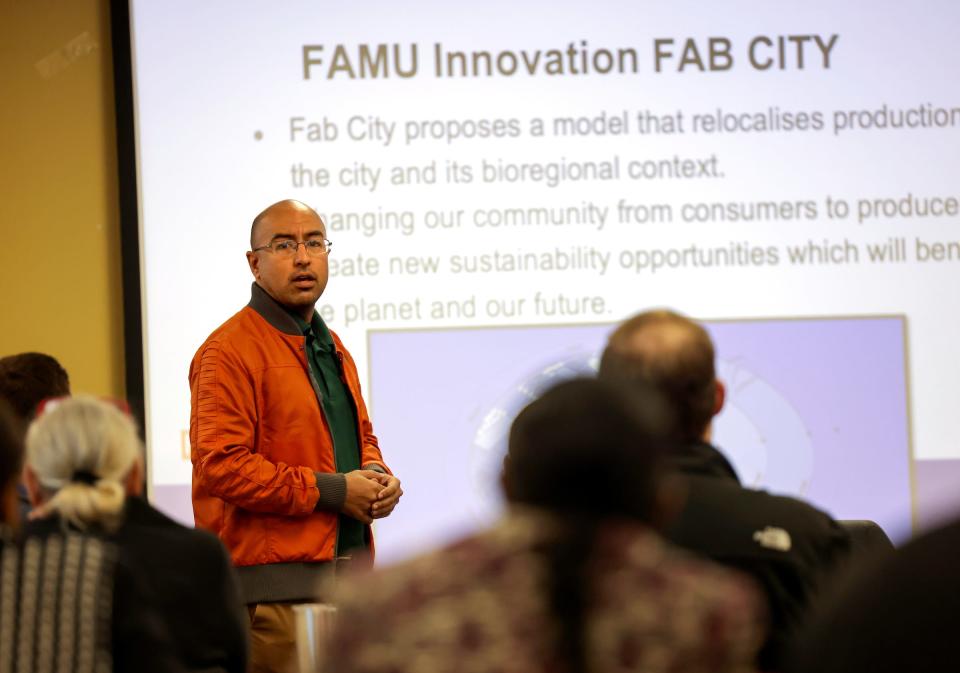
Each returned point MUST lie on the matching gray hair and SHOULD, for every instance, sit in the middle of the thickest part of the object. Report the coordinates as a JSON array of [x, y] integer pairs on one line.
[[81, 450]]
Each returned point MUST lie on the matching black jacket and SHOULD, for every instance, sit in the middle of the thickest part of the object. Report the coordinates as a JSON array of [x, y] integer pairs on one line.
[[195, 586], [786, 545]]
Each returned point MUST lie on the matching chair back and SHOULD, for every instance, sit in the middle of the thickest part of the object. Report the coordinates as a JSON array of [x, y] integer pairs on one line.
[[867, 538]]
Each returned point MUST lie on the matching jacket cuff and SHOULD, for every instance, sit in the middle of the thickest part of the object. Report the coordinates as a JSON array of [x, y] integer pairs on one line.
[[376, 467], [333, 491]]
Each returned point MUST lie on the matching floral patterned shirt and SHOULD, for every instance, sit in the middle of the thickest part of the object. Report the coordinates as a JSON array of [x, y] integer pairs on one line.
[[481, 605]]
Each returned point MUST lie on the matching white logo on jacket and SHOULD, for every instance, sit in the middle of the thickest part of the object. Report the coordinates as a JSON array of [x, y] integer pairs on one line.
[[772, 537]]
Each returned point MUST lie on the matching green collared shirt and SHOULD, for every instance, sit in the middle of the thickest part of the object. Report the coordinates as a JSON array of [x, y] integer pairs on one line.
[[341, 414]]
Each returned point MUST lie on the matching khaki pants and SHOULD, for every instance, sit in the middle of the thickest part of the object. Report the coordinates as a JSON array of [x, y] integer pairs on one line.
[[273, 638]]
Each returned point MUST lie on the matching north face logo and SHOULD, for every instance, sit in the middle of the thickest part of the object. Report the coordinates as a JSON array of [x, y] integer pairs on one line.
[[772, 537]]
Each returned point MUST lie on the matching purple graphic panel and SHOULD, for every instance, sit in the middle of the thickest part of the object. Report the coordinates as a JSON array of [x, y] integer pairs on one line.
[[815, 408], [826, 400]]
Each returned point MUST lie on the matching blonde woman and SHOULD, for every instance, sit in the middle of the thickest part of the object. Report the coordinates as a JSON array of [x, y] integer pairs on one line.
[[83, 457], [69, 600], [84, 473]]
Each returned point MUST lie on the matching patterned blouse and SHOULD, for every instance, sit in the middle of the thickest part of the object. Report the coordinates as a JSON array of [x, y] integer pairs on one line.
[[55, 604], [70, 602], [481, 605]]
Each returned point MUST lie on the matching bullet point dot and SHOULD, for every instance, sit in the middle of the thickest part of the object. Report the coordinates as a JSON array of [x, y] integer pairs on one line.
[[258, 135]]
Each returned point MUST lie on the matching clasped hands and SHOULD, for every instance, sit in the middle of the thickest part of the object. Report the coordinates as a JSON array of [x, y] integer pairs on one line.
[[370, 495]]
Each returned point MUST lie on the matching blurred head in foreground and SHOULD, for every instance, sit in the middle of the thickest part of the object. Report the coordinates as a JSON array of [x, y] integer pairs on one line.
[[589, 449], [83, 458]]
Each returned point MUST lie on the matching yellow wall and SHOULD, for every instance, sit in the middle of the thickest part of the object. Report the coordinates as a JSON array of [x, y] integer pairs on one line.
[[60, 287]]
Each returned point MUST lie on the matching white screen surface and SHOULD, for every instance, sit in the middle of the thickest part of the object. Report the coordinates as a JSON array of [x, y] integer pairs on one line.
[[677, 180]]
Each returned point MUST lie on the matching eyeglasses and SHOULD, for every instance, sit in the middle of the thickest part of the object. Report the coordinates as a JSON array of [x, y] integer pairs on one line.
[[286, 247]]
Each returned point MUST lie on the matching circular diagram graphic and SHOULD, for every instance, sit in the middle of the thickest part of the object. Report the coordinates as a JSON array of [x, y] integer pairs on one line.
[[759, 431]]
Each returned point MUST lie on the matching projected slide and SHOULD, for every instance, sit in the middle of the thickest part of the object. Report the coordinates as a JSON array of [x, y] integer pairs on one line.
[[834, 433], [498, 164]]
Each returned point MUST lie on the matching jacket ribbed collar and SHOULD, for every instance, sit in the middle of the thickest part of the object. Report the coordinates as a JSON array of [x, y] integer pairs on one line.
[[271, 311]]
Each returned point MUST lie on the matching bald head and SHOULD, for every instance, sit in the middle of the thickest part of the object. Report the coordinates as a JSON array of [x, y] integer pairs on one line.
[[294, 275], [671, 354], [279, 209]]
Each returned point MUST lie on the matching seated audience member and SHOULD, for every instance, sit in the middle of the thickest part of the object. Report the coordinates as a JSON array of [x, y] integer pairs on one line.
[[900, 616], [788, 546], [84, 473], [11, 459], [573, 578], [26, 379], [67, 601]]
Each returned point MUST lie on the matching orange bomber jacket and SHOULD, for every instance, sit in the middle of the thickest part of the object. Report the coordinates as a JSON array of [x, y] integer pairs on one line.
[[258, 435]]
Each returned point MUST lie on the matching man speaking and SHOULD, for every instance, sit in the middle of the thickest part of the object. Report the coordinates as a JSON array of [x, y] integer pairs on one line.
[[286, 468]]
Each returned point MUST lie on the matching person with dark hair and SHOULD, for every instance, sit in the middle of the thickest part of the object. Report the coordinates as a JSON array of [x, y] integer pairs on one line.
[[11, 459], [788, 546], [574, 578], [69, 600], [26, 379], [287, 470]]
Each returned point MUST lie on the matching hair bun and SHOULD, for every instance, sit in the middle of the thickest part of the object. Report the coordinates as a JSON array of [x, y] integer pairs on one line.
[[84, 477]]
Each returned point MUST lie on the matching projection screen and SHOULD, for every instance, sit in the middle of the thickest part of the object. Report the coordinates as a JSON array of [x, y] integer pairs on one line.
[[503, 182]]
